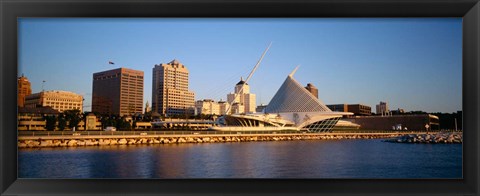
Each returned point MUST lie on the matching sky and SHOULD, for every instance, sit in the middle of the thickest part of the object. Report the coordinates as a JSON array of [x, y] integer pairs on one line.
[[410, 63]]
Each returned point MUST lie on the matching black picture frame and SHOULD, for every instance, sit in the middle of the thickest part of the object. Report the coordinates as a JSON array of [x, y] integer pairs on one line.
[[11, 10]]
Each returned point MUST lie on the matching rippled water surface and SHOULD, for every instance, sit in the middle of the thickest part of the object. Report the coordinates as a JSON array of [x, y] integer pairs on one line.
[[281, 159]]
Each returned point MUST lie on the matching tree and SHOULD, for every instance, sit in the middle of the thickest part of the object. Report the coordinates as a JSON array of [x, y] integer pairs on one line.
[[73, 117], [62, 122], [122, 124], [51, 121]]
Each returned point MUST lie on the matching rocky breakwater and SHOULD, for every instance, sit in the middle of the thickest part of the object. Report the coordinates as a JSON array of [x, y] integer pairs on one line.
[[67, 142], [435, 138]]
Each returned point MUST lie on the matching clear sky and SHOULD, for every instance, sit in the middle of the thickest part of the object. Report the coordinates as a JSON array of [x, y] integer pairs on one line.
[[413, 64]]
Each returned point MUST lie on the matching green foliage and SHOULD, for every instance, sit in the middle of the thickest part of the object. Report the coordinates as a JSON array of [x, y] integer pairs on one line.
[[122, 124], [73, 117], [50, 122], [62, 122]]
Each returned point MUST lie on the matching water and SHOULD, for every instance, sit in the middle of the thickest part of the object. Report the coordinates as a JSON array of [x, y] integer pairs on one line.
[[282, 159]]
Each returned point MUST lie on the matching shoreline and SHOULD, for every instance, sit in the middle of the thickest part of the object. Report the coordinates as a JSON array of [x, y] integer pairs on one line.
[[103, 140]]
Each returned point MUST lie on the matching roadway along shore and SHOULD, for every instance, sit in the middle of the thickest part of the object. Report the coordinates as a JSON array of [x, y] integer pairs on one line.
[[101, 140]]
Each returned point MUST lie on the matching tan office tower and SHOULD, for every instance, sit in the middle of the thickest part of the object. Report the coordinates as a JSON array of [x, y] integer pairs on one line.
[[118, 91], [170, 94], [24, 89]]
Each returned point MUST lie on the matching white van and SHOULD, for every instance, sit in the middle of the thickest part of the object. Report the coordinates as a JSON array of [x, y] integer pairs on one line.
[[110, 129]]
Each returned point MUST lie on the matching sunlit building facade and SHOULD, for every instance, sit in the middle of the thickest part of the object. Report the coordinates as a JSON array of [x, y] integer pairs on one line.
[[241, 99], [170, 93], [24, 89], [58, 100], [292, 107], [207, 107], [118, 91]]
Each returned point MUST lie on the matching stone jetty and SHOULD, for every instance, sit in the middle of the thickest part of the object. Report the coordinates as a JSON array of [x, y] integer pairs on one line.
[[434, 138], [74, 141]]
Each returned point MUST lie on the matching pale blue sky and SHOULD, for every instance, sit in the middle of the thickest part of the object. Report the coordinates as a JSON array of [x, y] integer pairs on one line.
[[414, 64]]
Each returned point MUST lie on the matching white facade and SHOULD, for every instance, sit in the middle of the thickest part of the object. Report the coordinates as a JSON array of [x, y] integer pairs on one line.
[[292, 108], [242, 99]]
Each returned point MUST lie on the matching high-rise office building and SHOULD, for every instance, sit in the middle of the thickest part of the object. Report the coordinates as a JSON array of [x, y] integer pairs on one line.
[[242, 99], [58, 100], [170, 94], [24, 89], [118, 91], [382, 108], [312, 89]]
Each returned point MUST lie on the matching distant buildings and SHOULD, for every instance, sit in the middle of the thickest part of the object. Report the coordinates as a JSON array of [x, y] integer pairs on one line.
[[223, 107], [382, 108], [356, 109], [338, 107], [292, 108], [242, 100], [207, 107], [396, 122], [170, 94], [58, 100], [33, 118], [360, 109], [210, 107], [397, 111], [24, 89], [312, 89], [118, 91], [261, 108], [147, 108]]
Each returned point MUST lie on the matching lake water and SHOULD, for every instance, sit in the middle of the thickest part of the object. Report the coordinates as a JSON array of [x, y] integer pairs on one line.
[[282, 159]]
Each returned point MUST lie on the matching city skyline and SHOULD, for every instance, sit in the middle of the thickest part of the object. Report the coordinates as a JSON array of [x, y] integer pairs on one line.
[[414, 64]]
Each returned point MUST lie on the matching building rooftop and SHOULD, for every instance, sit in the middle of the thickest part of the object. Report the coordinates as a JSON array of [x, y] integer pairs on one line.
[[241, 81], [174, 62]]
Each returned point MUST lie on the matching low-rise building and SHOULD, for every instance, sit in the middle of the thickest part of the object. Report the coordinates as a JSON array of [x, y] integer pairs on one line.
[[411, 122], [223, 107], [33, 119], [207, 107], [58, 100], [260, 108], [356, 109], [360, 109]]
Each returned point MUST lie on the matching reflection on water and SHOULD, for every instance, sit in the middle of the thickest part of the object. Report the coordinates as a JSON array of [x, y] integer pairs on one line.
[[287, 159]]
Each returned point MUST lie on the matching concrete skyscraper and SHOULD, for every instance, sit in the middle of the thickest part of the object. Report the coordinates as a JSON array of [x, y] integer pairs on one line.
[[118, 91], [24, 89], [170, 94]]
